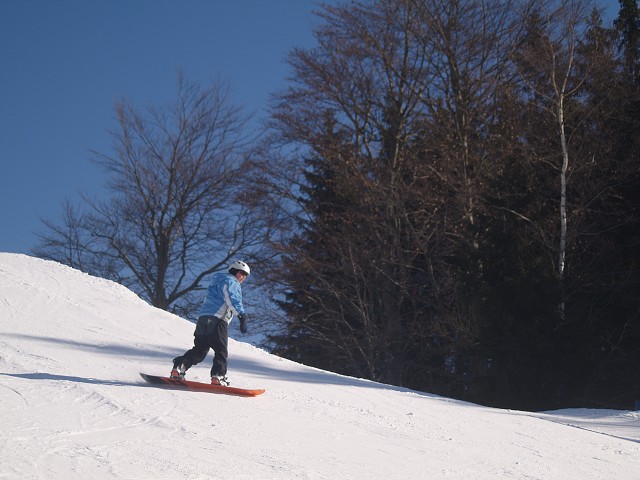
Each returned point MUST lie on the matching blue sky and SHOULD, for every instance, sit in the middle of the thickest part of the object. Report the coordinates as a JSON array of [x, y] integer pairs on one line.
[[63, 64]]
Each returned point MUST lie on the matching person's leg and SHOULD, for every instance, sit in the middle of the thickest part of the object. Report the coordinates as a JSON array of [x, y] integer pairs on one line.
[[196, 354], [200, 345], [218, 341]]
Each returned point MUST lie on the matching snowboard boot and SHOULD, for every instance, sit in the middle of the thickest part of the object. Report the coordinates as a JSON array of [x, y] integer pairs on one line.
[[220, 380], [178, 372]]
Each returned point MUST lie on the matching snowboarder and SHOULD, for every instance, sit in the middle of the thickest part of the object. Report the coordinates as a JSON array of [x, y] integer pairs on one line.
[[223, 300]]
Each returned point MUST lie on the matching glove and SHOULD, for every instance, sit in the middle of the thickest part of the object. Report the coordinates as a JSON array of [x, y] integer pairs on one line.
[[243, 323]]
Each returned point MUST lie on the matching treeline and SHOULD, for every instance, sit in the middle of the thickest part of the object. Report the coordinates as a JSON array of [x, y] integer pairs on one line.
[[467, 184], [447, 198]]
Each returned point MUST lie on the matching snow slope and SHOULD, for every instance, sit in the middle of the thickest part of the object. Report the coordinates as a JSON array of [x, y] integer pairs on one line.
[[74, 406]]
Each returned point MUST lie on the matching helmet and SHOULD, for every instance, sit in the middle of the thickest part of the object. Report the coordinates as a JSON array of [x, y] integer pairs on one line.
[[240, 265]]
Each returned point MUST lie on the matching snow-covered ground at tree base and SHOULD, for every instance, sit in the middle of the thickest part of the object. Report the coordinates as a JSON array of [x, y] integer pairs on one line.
[[74, 406]]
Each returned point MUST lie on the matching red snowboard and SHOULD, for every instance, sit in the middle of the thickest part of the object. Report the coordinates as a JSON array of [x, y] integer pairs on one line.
[[206, 387]]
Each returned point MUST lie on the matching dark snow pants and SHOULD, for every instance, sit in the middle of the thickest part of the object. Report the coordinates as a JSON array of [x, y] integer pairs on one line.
[[211, 332]]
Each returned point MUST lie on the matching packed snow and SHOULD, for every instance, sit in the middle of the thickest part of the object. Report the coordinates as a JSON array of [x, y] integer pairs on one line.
[[74, 406]]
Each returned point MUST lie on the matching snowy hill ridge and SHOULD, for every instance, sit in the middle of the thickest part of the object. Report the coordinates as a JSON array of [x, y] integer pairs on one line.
[[74, 406]]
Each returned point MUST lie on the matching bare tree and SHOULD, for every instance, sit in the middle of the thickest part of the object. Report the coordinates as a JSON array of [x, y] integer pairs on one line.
[[469, 44], [550, 74], [390, 107], [180, 206], [351, 111]]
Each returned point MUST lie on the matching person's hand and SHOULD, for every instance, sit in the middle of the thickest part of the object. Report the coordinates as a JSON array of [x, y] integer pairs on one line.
[[243, 323]]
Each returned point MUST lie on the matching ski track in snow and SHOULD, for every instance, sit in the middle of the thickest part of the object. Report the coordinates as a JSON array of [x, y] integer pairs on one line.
[[74, 406]]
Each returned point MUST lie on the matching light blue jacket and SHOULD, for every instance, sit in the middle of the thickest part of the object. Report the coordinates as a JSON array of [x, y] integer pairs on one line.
[[224, 298]]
